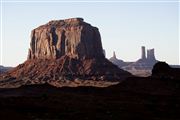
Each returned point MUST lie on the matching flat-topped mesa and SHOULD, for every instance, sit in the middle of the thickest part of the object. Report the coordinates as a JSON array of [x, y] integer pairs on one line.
[[70, 37]]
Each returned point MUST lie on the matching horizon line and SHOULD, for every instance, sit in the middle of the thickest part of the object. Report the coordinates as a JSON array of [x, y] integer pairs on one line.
[[88, 1]]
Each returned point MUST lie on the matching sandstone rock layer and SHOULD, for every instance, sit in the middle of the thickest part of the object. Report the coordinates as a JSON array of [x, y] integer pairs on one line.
[[71, 37]]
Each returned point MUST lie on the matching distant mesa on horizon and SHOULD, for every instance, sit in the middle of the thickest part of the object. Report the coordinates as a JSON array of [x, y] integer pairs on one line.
[[141, 67]]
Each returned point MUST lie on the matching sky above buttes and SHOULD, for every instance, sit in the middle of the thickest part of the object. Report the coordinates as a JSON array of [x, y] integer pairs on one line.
[[125, 26]]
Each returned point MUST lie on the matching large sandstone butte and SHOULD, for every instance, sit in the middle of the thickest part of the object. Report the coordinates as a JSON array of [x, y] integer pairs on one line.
[[70, 37], [62, 50]]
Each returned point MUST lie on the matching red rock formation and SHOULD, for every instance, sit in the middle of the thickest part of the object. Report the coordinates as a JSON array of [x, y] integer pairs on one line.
[[64, 50], [71, 37]]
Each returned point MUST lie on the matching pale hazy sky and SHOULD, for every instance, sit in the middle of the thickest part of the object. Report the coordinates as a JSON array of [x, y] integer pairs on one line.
[[124, 26]]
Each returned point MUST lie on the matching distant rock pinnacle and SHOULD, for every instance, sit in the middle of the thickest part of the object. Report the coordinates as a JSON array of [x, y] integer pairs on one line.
[[114, 54], [141, 67], [150, 55], [143, 53]]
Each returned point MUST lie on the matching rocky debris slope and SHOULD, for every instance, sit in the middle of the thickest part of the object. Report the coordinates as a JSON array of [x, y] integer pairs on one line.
[[64, 50]]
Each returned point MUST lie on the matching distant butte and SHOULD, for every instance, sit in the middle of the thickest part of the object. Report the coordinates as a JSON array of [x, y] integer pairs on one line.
[[141, 67], [62, 50]]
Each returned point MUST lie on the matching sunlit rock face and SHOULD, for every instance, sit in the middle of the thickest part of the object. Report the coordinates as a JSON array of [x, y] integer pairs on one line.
[[71, 37], [61, 52]]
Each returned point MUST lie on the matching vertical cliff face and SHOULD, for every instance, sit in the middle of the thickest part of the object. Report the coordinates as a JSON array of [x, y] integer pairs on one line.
[[70, 37], [143, 53], [150, 55]]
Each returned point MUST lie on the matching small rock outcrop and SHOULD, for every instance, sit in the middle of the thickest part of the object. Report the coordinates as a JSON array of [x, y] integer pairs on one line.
[[164, 71], [160, 67], [63, 50]]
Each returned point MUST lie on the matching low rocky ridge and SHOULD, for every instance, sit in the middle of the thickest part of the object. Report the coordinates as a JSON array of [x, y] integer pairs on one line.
[[61, 50], [120, 63], [162, 70], [4, 69]]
